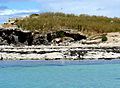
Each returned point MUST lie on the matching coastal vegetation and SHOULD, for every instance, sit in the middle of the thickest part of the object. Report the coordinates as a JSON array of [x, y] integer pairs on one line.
[[46, 22], [104, 38]]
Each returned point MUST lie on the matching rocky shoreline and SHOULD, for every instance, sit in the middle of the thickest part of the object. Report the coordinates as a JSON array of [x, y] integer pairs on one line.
[[58, 53], [61, 45]]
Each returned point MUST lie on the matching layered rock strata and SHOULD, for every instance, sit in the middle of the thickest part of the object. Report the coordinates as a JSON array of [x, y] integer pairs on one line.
[[58, 53]]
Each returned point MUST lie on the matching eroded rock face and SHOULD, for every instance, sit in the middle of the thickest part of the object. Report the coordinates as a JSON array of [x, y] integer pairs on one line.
[[39, 39], [76, 37], [15, 37], [58, 34], [20, 37], [6, 36], [24, 37]]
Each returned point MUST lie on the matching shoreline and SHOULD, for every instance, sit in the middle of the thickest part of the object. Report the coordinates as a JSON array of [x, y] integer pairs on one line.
[[59, 52], [19, 63], [14, 48]]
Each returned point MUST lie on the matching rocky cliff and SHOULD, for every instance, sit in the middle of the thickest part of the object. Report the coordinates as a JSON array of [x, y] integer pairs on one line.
[[20, 37]]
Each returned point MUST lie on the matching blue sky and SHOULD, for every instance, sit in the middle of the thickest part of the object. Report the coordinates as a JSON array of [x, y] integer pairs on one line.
[[21, 8]]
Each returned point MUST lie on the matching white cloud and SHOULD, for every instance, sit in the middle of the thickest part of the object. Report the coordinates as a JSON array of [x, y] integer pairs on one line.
[[13, 12]]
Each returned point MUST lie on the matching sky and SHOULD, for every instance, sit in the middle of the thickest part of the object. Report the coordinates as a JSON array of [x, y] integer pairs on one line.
[[22, 8]]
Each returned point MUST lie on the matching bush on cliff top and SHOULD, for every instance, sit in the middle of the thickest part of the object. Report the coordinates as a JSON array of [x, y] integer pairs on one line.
[[104, 38]]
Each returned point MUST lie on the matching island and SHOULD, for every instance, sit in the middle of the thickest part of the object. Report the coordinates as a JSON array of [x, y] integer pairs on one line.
[[59, 36]]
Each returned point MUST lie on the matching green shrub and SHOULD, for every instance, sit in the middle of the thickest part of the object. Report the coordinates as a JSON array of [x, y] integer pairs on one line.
[[60, 33], [104, 38]]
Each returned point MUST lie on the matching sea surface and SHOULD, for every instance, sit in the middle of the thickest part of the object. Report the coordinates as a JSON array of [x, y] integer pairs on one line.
[[59, 74]]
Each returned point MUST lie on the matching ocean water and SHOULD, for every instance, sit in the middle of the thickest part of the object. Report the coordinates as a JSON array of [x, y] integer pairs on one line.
[[59, 76]]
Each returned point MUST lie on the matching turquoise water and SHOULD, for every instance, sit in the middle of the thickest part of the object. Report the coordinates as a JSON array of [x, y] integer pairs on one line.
[[60, 76]]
